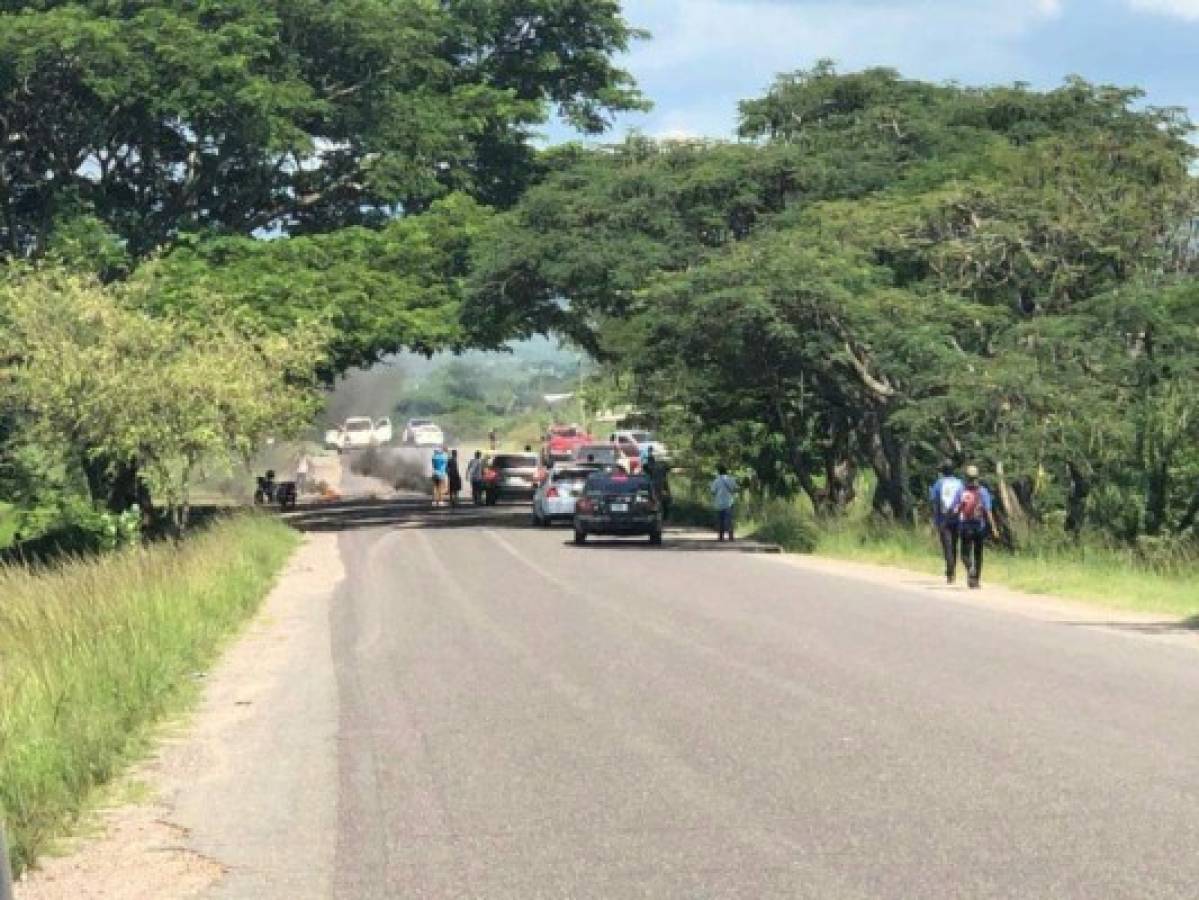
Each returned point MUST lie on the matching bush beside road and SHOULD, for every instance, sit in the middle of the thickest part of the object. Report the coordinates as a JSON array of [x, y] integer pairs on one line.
[[95, 652]]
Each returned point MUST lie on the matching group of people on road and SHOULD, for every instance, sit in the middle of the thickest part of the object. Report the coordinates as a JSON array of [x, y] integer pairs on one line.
[[963, 516], [448, 478]]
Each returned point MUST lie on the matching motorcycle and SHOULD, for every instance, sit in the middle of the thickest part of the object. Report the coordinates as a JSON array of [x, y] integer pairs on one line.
[[269, 491]]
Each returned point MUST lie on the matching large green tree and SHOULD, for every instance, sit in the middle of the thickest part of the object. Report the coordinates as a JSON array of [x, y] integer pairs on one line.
[[235, 116], [888, 273]]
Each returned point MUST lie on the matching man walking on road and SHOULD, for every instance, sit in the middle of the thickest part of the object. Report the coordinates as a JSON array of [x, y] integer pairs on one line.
[[658, 472], [455, 478], [973, 508], [474, 475], [724, 497], [942, 495]]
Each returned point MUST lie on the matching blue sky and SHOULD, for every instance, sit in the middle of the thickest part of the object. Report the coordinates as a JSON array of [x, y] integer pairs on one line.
[[708, 54]]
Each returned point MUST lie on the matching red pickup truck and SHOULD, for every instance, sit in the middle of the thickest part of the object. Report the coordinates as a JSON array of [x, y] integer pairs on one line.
[[563, 440]]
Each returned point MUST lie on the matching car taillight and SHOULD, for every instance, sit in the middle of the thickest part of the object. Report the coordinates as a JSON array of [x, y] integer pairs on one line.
[[490, 474], [552, 493]]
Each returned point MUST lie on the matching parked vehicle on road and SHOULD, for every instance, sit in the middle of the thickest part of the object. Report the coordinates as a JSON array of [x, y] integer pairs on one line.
[[555, 497], [562, 441], [617, 503], [359, 433], [423, 433], [511, 476], [644, 441], [609, 454]]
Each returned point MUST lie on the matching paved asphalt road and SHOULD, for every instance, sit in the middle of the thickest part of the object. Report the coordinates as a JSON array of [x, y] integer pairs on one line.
[[518, 717]]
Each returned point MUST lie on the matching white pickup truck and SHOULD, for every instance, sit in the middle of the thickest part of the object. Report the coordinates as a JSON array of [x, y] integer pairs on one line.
[[359, 433]]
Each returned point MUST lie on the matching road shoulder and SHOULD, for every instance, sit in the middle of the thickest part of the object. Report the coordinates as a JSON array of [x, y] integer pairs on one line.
[[1002, 599], [251, 775]]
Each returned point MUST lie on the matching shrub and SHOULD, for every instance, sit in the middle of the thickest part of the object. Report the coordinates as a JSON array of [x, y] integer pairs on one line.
[[784, 523]]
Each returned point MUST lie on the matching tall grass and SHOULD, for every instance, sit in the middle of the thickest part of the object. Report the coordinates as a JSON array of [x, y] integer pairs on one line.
[[94, 652], [1120, 578], [1149, 578]]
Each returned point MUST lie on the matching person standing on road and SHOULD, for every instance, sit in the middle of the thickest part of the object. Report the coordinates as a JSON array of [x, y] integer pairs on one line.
[[942, 495], [455, 477], [973, 509], [441, 462], [657, 472], [492, 439], [474, 474], [724, 497], [302, 468]]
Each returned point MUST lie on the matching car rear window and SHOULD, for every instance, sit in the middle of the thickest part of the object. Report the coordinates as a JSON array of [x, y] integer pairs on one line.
[[606, 483], [601, 454], [572, 474], [360, 425], [514, 461]]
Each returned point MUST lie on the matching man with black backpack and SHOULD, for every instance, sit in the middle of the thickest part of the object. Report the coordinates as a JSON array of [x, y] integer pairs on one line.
[[973, 508], [942, 496]]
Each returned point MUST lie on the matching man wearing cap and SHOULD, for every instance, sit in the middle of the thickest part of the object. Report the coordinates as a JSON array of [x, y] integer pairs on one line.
[[942, 495], [973, 508]]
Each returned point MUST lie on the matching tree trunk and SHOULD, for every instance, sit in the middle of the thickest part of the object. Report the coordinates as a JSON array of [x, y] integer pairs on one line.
[[1157, 499], [1015, 521], [1076, 505], [889, 457]]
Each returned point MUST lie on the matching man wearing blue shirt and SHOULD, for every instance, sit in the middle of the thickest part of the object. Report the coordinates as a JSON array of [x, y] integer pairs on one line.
[[724, 498], [942, 496], [973, 508]]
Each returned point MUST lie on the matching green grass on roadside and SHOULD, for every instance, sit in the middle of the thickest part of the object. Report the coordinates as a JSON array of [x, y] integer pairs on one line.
[[1117, 578], [8, 525], [94, 652], [1104, 576]]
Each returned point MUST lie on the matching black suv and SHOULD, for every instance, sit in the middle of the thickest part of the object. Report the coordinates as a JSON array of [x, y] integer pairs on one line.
[[615, 503], [511, 476]]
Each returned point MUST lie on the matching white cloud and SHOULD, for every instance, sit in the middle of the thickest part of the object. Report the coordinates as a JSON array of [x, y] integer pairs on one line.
[[1183, 9], [707, 54]]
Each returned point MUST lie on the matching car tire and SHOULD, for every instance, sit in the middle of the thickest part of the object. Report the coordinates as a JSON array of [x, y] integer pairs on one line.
[[580, 536], [655, 538]]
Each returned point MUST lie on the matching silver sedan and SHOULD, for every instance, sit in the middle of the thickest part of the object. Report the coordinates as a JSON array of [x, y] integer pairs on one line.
[[555, 498]]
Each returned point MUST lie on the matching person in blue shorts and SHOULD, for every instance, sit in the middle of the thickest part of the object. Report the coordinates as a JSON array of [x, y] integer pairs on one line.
[[441, 463]]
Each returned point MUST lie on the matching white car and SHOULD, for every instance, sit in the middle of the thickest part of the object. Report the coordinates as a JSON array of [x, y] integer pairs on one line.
[[359, 433], [557, 494], [644, 441], [423, 433]]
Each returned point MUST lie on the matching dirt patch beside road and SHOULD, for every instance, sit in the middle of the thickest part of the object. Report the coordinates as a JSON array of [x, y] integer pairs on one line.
[[252, 775]]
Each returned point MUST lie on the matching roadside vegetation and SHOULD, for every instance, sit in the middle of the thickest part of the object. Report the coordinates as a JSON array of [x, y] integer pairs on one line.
[[881, 273], [1111, 575], [94, 653], [885, 274], [1152, 577]]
